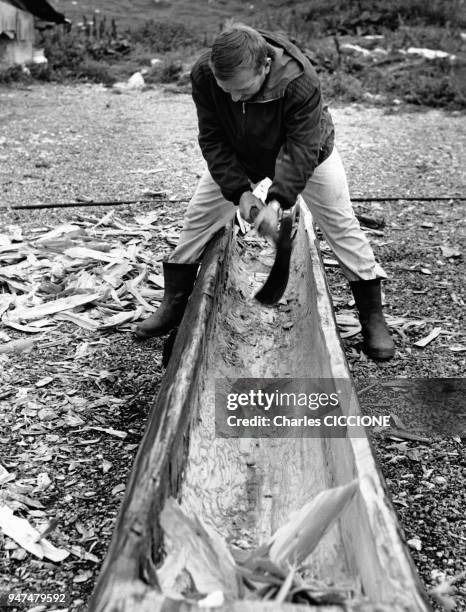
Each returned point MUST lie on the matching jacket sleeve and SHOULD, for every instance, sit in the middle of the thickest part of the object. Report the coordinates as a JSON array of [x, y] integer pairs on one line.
[[298, 157], [220, 157]]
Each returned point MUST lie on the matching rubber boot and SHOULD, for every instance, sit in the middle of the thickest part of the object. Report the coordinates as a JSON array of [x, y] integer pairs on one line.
[[179, 283], [378, 343]]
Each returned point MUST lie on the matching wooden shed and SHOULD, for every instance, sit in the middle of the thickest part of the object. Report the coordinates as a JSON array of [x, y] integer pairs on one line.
[[16, 35], [17, 28]]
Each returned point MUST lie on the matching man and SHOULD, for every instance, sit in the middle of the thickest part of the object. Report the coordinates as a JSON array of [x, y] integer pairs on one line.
[[260, 114]]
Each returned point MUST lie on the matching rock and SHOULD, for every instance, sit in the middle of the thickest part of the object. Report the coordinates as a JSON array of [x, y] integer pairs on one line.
[[136, 81], [430, 54], [415, 543], [437, 575]]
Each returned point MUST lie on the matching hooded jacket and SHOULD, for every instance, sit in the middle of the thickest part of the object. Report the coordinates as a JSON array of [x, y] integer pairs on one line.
[[282, 132]]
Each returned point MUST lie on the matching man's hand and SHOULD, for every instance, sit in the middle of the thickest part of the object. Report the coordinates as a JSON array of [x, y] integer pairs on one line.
[[248, 201], [266, 222]]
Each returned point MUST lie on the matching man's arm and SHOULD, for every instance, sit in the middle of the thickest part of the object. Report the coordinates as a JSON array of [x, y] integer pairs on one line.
[[217, 151], [299, 154]]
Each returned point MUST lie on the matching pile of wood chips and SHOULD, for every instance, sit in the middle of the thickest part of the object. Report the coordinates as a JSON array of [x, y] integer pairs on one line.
[[87, 272]]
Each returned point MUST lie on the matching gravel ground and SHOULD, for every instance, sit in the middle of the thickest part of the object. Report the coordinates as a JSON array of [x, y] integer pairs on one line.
[[61, 143]]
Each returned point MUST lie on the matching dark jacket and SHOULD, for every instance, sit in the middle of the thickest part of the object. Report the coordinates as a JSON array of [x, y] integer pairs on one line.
[[282, 132]]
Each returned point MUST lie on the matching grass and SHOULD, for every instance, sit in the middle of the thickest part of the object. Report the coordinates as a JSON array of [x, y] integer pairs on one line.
[[111, 46], [207, 14], [204, 15]]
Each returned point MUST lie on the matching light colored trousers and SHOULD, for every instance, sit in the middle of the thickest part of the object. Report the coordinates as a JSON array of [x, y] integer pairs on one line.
[[327, 196]]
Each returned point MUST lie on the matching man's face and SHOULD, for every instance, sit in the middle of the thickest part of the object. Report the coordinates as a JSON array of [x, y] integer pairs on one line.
[[245, 83]]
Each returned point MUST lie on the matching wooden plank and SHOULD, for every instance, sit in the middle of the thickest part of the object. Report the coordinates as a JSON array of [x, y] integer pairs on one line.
[[8, 18], [180, 456]]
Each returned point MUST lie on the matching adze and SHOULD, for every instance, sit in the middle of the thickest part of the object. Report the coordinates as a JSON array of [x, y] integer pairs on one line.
[[275, 285]]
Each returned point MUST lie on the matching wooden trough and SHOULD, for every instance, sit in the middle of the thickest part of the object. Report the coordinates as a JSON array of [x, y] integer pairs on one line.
[[254, 484]]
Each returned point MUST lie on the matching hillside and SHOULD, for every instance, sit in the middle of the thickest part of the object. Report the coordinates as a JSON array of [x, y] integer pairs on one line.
[[207, 14]]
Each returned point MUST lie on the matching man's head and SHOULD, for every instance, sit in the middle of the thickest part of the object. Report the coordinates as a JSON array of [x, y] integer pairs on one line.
[[239, 61]]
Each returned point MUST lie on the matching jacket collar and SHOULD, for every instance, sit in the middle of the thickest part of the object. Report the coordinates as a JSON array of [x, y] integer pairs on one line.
[[288, 62]]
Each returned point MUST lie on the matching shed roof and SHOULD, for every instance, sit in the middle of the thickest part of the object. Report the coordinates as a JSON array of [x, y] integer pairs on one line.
[[39, 8]]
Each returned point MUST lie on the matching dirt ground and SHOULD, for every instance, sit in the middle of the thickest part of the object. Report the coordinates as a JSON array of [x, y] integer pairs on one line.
[[63, 143]]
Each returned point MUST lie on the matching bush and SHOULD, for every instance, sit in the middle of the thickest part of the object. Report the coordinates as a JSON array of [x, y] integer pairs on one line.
[[88, 41], [342, 86], [95, 50], [14, 74], [163, 36], [41, 72], [432, 84], [373, 16], [96, 72]]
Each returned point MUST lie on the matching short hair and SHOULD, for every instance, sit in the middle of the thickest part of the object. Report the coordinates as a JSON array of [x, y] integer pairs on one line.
[[237, 47]]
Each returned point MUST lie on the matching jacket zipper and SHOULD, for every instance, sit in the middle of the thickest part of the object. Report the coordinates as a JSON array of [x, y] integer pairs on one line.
[[243, 113]]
